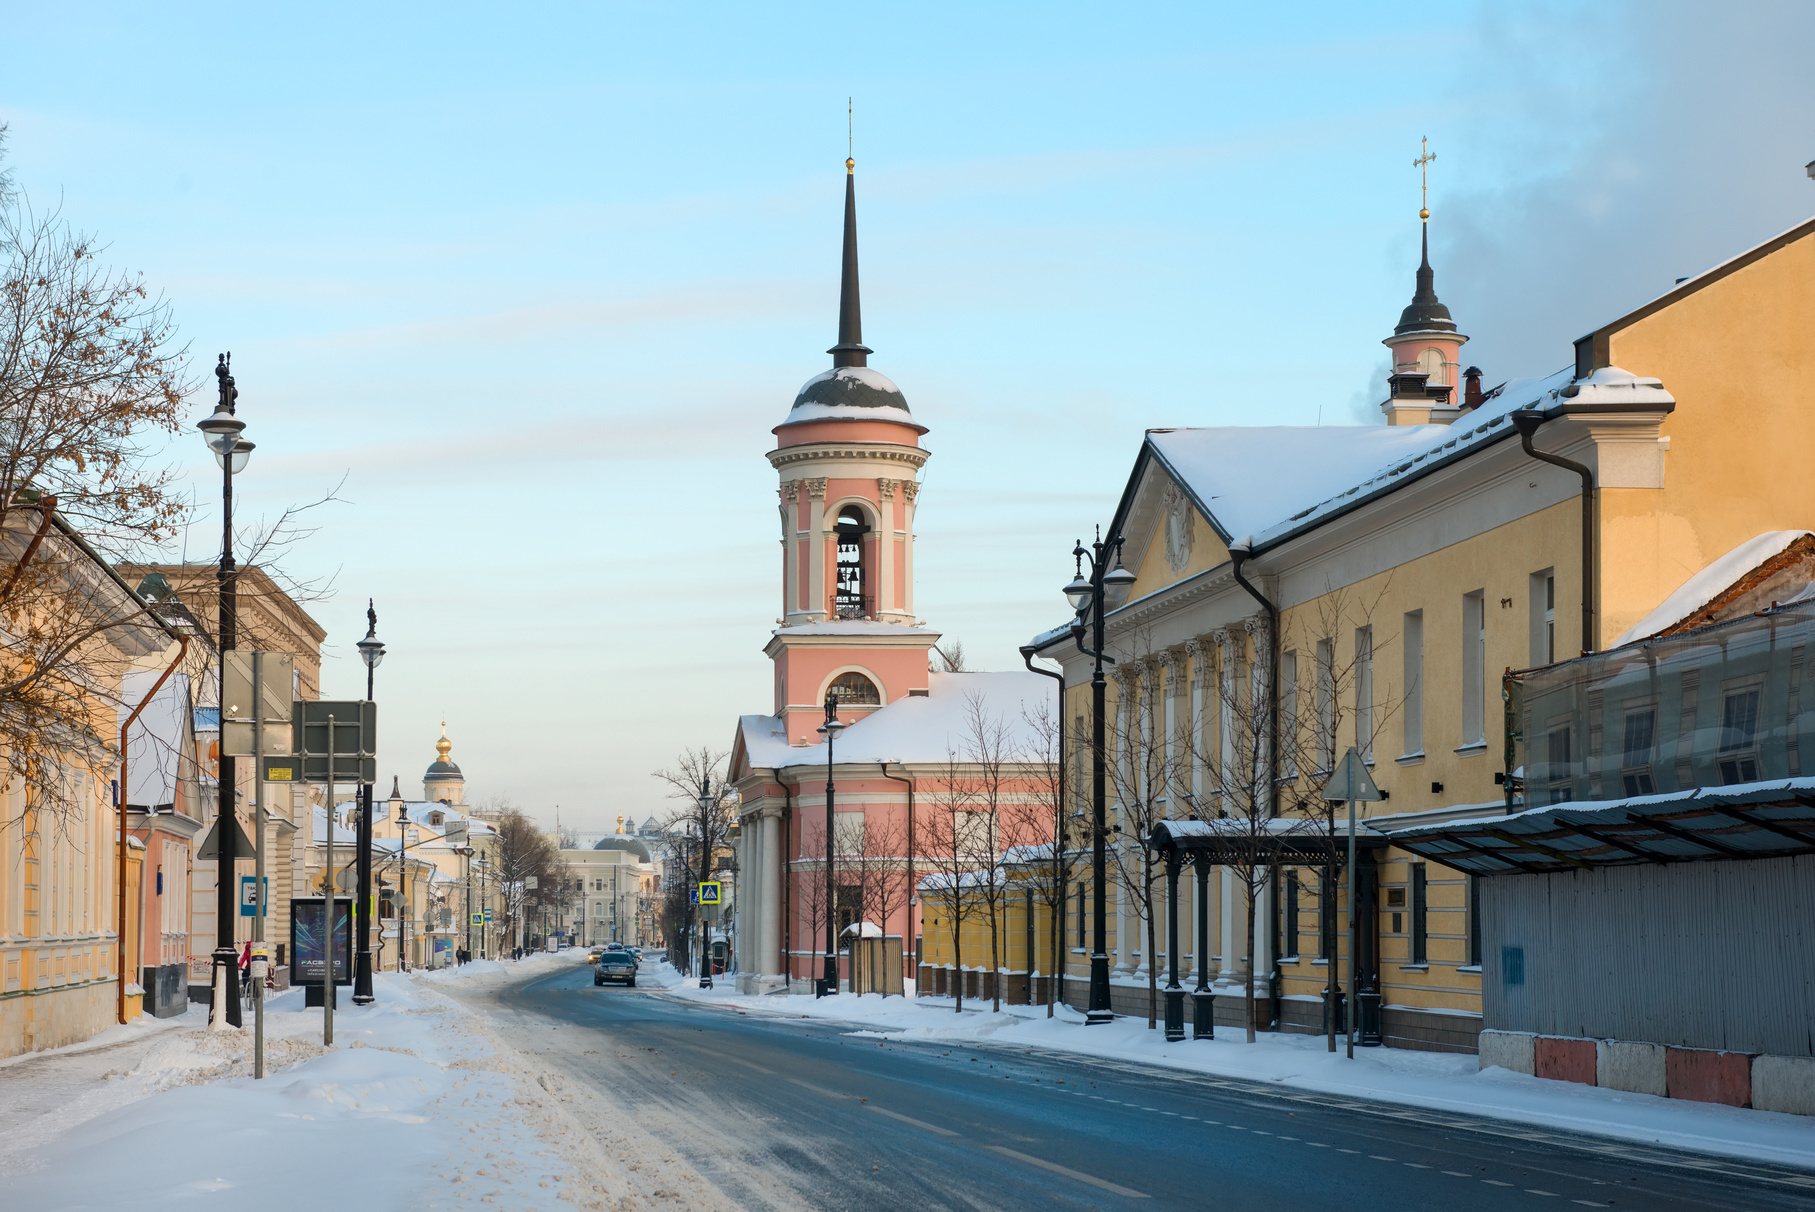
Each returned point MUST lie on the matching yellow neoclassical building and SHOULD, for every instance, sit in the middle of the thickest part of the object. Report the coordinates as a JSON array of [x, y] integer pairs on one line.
[[1302, 590]]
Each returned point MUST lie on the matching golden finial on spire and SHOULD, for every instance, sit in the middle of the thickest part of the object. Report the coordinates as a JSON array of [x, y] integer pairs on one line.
[[850, 141], [444, 746], [620, 824], [1425, 156]]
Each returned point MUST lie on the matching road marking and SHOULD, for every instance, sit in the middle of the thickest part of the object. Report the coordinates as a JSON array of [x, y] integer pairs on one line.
[[1371, 1156], [1459, 1173], [1492, 1182], [736, 1060], [1589, 1203], [1416, 1166], [906, 1120], [1535, 1191], [1357, 1152], [1317, 1144], [1092, 1179], [1260, 1132]]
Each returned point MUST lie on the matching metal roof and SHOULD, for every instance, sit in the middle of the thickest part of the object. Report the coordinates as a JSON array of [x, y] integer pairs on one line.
[[1279, 839], [1749, 821]]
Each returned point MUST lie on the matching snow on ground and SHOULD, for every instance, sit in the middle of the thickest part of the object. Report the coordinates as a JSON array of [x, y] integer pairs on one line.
[[416, 1106], [1444, 1081]]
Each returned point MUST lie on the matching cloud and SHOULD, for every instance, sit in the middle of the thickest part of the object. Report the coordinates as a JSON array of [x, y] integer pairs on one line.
[[1665, 136]]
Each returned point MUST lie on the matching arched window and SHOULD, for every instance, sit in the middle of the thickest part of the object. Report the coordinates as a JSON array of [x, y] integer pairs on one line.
[[1431, 363], [855, 690], [851, 596]]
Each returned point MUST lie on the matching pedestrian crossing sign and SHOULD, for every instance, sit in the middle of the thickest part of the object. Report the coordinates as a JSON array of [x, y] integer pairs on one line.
[[478, 919], [709, 891]]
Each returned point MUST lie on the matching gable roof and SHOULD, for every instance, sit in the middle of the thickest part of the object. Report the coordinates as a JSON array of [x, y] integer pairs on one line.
[[916, 729]]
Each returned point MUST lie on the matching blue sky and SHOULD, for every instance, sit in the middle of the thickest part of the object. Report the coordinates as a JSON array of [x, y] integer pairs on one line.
[[539, 285]]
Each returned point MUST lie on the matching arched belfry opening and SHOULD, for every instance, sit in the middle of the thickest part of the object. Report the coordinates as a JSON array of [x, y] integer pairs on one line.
[[854, 594]]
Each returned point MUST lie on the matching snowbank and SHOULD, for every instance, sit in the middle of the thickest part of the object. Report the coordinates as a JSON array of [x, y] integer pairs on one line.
[[1436, 1080], [415, 1104]]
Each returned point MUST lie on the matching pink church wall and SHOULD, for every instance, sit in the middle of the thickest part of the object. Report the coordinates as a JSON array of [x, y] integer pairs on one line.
[[803, 432]]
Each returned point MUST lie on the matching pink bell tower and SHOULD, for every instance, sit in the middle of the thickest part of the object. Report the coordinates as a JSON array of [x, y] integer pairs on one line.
[[848, 455]]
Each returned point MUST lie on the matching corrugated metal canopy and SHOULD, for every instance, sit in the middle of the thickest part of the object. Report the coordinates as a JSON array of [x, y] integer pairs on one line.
[[1749, 821], [1239, 841]]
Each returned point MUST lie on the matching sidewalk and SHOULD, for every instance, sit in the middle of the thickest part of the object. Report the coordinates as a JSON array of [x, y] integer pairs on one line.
[[1433, 1080], [416, 1106]]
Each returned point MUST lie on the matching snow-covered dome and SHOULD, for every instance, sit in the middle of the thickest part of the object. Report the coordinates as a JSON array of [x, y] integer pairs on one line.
[[857, 393]]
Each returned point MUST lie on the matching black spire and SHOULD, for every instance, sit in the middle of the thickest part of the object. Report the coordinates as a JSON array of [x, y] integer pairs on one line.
[[1425, 314], [850, 350]]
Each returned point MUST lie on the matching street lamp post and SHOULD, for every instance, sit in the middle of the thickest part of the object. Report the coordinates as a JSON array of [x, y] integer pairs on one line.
[[221, 431], [404, 911], [371, 651], [1105, 589], [828, 983]]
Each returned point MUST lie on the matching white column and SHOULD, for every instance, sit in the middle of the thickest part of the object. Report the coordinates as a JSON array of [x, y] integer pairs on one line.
[[790, 548], [815, 604], [1127, 929], [910, 491], [771, 893], [885, 548]]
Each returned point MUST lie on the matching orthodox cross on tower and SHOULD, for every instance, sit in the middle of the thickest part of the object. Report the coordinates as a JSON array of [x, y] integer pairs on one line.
[[1422, 164]]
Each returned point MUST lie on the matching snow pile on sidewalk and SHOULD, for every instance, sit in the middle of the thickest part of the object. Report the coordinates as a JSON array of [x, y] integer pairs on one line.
[[1444, 1081], [416, 1105]]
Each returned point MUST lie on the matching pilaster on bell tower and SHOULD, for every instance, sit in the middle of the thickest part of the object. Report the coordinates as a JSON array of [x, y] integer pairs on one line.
[[848, 455]]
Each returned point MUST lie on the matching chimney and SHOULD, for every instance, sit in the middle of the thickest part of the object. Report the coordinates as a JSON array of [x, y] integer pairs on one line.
[[1471, 387]]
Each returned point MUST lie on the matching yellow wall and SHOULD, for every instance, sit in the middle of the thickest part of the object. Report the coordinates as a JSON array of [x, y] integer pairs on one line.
[[1739, 357]]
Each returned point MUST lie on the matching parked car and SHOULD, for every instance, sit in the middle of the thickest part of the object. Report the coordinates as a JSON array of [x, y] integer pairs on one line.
[[619, 966]]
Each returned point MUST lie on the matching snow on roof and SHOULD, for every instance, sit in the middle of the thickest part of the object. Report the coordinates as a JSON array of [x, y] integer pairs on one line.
[[915, 729], [1702, 588], [1269, 482], [854, 393]]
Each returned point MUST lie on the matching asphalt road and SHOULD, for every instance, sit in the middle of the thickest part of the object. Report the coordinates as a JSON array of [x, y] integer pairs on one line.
[[784, 1112]]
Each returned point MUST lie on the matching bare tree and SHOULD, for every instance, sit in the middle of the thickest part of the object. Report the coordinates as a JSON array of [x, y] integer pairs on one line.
[[523, 853], [1051, 808], [949, 657], [696, 830], [881, 865]]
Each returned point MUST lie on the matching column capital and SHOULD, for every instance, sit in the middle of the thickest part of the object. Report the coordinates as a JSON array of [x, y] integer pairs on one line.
[[910, 489], [886, 488], [816, 488]]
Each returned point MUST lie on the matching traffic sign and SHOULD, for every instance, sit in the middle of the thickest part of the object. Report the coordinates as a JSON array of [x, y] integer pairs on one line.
[[354, 743], [478, 919], [709, 892], [248, 897], [1351, 780]]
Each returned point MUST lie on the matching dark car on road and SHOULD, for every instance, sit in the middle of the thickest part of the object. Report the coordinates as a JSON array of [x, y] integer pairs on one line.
[[620, 966]]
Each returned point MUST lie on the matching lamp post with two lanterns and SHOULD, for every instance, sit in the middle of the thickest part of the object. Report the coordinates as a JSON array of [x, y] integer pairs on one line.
[[371, 651], [828, 983], [1093, 596], [221, 431]]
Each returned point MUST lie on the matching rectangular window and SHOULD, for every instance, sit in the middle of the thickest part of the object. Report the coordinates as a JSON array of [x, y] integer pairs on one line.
[[1474, 668], [1288, 712], [1636, 751], [1559, 766], [1364, 693], [847, 831], [1474, 921], [1543, 595], [1291, 947], [1739, 736], [1420, 934], [1412, 712], [1326, 705]]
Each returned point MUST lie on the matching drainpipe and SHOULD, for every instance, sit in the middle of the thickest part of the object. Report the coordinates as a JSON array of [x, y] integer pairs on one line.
[[910, 863], [1056, 978], [1527, 420], [1238, 553], [120, 880]]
